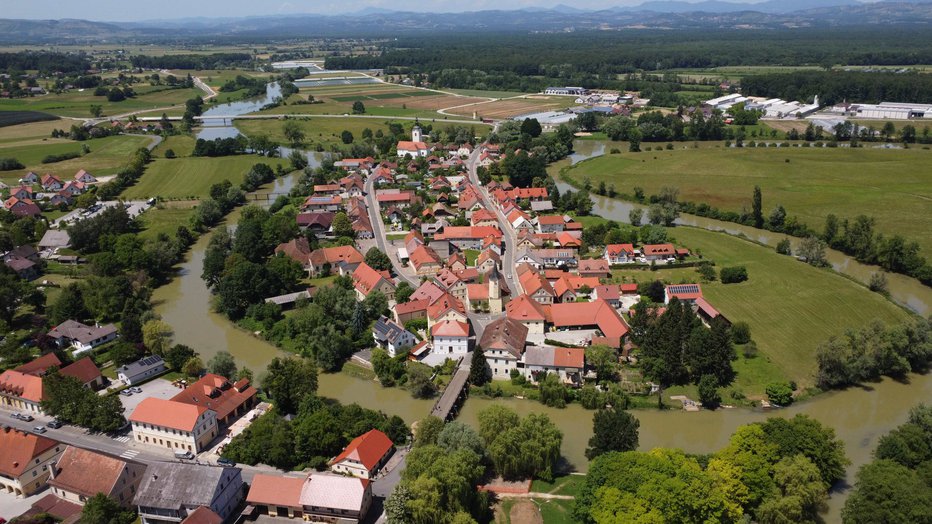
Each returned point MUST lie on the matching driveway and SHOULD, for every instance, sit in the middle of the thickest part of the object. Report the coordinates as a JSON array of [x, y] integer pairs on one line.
[[13, 506], [157, 388]]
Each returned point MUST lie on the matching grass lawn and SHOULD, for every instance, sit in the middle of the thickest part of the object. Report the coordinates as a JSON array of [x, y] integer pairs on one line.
[[321, 281], [791, 307], [192, 177], [324, 131], [182, 145], [569, 485], [163, 219], [893, 186], [108, 155], [556, 511], [471, 256], [77, 103], [34, 130]]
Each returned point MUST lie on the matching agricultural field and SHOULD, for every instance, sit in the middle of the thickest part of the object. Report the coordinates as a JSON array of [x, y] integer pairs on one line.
[[511, 107], [77, 103], [191, 178], [182, 145], [791, 307], [12, 118], [892, 185], [108, 155], [165, 218]]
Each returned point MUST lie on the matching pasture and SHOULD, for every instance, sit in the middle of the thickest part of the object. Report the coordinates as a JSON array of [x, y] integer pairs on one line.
[[191, 178], [892, 185], [77, 103], [790, 307], [108, 155], [325, 131]]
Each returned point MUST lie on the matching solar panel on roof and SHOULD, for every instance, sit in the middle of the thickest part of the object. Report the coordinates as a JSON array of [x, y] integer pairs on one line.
[[684, 288]]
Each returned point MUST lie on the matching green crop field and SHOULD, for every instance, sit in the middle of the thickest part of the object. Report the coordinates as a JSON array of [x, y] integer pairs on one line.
[[893, 186], [164, 219], [182, 145], [791, 307], [192, 177], [107, 155], [77, 103]]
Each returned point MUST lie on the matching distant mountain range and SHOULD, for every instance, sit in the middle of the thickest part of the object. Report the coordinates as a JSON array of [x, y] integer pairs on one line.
[[661, 14]]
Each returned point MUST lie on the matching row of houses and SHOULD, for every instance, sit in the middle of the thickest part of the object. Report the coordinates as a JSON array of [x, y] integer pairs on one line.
[[21, 199]]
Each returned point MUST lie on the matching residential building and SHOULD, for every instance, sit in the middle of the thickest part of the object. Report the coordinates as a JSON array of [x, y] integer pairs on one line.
[[82, 337], [537, 287], [610, 293], [54, 239], [79, 474], [425, 260], [570, 287], [595, 268], [25, 460], [469, 237], [170, 491], [597, 314], [317, 222], [22, 207], [320, 497], [173, 425], [446, 308], [22, 388], [227, 400], [488, 260], [503, 343], [392, 336], [550, 224], [450, 337], [556, 257], [51, 183], [141, 370], [688, 293], [366, 280], [326, 260], [567, 363], [620, 254], [84, 177], [658, 252], [707, 313], [364, 456], [529, 312], [331, 203], [453, 283]]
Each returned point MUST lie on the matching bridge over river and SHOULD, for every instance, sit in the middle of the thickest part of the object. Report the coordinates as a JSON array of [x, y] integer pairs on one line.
[[448, 405]]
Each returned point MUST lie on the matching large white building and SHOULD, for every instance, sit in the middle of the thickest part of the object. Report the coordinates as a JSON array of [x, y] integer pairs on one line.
[[890, 111], [450, 337], [173, 425]]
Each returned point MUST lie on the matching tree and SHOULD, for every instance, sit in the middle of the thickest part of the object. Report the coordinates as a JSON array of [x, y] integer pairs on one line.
[[740, 332], [346, 137], [552, 390], [123, 353], [293, 133], [806, 436], [733, 275], [156, 335], [531, 127], [456, 436], [812, 250], [708, 392], [908, 445], [784, 247], [603, 360], [801, 493], [193, 367], [177, 356], [419, 381], [427, 430], [888, 492], [587, 121], [495, 420], [634, 140], [378, 260], [757, 213], [612, 430], [635, 216], [244, 373], [170, 154], [222, 364], [101, 509], [403, 292], [70, 305], [358, 107], [342, 226], [289, 380], [479, 371]]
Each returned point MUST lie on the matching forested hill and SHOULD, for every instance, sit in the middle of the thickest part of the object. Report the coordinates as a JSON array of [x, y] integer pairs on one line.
[[379, 23]]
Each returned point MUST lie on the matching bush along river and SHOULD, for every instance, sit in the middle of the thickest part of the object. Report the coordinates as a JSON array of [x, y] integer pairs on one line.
[[859, 415]]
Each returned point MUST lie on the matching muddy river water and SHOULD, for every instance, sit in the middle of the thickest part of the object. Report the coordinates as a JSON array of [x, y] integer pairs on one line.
[[858, 415]]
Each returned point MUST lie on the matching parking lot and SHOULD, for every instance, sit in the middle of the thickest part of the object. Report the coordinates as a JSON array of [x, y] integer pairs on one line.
[[158, 388]]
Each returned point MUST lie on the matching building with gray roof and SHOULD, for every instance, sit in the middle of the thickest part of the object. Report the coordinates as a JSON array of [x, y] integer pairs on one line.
[[171, 491], [141, 370]]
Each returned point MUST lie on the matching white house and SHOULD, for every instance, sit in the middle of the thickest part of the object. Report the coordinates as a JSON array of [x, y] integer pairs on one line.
[[392, 336], [173, 425], [619, 254], [450, 337], [503, 343], [141, 370]]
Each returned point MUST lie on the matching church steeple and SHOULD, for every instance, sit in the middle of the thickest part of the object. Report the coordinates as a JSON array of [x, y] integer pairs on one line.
[[416, 134]]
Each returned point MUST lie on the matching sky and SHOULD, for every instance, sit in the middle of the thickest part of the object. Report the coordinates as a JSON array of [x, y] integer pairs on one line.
[[136, 10]]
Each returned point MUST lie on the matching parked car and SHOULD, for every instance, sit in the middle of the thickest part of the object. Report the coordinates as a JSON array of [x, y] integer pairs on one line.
[[39, 429], [25, 417], [184, 455], [222, 461], [126, 393], [136, 389], [55, 424]]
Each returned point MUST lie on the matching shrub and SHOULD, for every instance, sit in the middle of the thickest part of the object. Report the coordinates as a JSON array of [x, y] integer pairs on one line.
[[170, 153], [733, 275], [878, 282], [780, 393], [706, 271], [740, 333], [750, 350], [10, 164], [51, 159], [784, 247]]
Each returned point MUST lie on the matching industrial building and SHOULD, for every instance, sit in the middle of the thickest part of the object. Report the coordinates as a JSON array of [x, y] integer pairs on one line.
[[889, 111], [574, 91]]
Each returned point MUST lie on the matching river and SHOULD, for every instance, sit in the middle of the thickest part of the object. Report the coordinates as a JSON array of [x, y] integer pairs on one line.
[[858, 415]]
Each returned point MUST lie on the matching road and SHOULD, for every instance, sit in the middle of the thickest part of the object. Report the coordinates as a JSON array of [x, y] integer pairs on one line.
[[511, 240], [378, 229], [120, 446]]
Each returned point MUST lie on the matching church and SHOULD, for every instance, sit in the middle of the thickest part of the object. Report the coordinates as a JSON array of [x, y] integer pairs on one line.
[[414, 148]]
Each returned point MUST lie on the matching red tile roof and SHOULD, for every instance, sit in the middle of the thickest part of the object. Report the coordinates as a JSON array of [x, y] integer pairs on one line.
[[615, 250], [202, 515], [569, 357], [589, 314], [658, 249], [526, 309], [684, 291], [21, 385], [532, 282], [428, 291], [84, 370], [422, 256], [574, 283], [217, 393], [366, 279], [450, 328], [593, 265], [18, 449], [335, 255], [275, 491], [468, 232], [86, 472], [167, 414], [367, 449], [551, 220], [40, 365], [444, 304]]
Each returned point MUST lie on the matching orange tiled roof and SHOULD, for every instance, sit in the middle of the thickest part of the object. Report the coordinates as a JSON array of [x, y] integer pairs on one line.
[[367, 449]]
